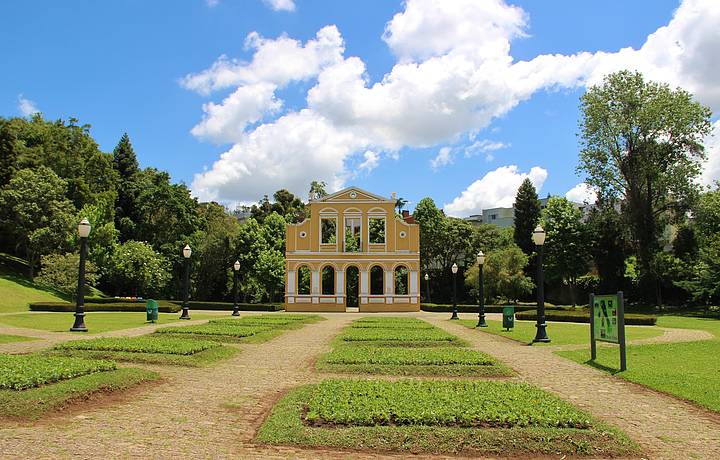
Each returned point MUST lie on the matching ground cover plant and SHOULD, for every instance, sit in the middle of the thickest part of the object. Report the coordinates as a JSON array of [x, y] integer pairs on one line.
[[409, 337], [391, 325], [270, 321], [153, 349], [217, 330], [559, 333], [438, 417], [32, 403], [689, 370], [20, 372], [14, 338], [389, 319], [451, 361], [95, 321]]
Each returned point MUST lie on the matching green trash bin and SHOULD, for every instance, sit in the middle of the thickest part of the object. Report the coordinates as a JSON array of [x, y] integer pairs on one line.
[[151, 308], [508, 317]]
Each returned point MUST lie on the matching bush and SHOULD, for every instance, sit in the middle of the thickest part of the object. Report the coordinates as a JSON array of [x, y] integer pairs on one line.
[[19, 372], [204, 305], [132, 306], [443, 308], [583, 316]]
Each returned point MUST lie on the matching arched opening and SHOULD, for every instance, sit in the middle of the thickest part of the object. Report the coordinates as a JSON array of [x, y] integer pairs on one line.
[[327, 284], [303, 280], [401, 280], [352, 286], [376, 280]]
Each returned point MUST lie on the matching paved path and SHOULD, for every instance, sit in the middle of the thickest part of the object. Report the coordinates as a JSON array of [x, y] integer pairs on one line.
[[665, 427]]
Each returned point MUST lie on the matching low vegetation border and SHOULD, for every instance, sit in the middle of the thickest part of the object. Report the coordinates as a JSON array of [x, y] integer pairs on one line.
[[583, 316], [164, 306], [287, 424]]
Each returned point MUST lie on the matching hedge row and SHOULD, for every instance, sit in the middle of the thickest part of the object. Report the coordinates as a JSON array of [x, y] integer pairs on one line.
[[433, 307], [164, 306], [582, 316]]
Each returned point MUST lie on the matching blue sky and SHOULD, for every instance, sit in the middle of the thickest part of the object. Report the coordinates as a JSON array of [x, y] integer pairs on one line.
[[147, 68]]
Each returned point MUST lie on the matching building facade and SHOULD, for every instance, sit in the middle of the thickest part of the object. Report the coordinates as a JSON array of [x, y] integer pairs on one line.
[[353, 251]]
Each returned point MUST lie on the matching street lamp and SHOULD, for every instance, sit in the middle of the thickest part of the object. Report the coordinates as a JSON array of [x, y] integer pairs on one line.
[[481, 291], [186, 252], [454, 272], [427, 288], [538, 237], [83, 232], [236, 309]]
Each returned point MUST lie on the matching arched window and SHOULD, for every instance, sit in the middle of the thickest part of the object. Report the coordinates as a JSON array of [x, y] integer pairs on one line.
[[401, 280], [303, 280], [328, 280], [376, 280]]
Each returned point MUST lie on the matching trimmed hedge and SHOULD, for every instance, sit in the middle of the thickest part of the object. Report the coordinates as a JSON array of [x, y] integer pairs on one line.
[[583, 316], [228, 306], [163, 307], [113, 300], [443, 308]]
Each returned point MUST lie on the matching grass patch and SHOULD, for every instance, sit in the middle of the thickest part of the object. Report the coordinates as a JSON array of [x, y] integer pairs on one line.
[[31, 404], [20, 372], [286, 425], [199, 359], [559, 333], [391, 325], [448, 361], [214, 329], [95, 321], [162, 345], [690, 370], [389, 319], [16, 293], [14, 338], [432, 337]]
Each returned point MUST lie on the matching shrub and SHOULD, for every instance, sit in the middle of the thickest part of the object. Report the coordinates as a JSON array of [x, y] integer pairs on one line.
[[164, 307], [215, 329], [408, 356], [19, 372], [583, 316], [397, 335], [163, 345], [444, 308]]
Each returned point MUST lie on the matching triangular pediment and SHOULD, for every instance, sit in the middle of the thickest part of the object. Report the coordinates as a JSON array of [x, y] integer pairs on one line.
[[356, 194]]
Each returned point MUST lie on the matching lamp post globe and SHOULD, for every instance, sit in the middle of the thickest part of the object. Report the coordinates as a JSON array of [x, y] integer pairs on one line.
[[538, 238], [454, 310], [186, 252], [84, 228], [236, 308], [427, 288], [481, 290]]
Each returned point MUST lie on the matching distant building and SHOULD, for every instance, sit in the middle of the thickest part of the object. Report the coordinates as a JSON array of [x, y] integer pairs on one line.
[[505, 217]]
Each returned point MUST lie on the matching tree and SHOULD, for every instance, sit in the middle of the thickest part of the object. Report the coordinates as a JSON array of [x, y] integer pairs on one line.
[[288, 206], [504, 275], [137, 269], [432, 226], [273, 232], [567, 249], [317, 190], [36, 215], [129, 187], [641, 142], [60, 271], [527, 216], [608, 245], [400, 204], [270, 272]]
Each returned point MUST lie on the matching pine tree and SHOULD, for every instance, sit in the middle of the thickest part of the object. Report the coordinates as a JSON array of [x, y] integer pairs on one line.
[[527, 216], [126, 164]]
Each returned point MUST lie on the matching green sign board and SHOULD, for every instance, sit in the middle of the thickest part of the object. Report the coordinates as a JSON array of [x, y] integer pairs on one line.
[[605, 311], [508, 317]]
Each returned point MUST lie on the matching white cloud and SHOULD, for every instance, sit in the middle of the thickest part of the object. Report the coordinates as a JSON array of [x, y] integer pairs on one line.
[[443, 158], [371, 161], [26, 106], [582, 193], [454, 75], [496, 189], [485, 146], [711, 173], [226, 122], [281, 5], [277, 61]]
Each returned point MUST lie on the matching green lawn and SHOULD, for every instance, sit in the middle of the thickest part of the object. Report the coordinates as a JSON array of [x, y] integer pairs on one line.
[[14, 338], [559, 333], [95, 321], [689, 370], [16, 294], [438, 417]]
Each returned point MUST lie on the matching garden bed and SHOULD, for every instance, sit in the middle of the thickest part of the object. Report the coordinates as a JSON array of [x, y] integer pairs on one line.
[[438, 417], [583, 316], [420, 337]]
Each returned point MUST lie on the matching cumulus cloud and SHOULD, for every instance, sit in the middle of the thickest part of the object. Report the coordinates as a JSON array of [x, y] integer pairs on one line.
[[485, 146], [281, 5], [582, 193], [371, 160], [454, 74], [495, 189], [443, 158], [26, 106], [711, 173]]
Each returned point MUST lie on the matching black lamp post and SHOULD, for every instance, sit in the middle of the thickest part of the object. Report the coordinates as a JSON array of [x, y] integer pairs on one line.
[[236, 308], [79, 324], [427, 288], [454, 272], [481, 291], [539, 240], [187, 252]]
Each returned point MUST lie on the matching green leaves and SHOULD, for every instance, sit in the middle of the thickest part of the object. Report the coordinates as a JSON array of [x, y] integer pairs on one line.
[[19, 372], [162, 345], [408, 356]]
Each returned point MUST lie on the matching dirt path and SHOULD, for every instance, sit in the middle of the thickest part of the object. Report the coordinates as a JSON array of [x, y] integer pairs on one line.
[[665, 427]]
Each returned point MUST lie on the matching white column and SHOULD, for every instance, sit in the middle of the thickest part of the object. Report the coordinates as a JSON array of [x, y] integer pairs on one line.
[[315, 282], [414, 282], [364, 283], [389, 282], [290, 288], [339, 282]]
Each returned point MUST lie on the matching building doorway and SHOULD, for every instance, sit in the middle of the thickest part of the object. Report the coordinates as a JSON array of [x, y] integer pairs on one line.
[[352, 287]]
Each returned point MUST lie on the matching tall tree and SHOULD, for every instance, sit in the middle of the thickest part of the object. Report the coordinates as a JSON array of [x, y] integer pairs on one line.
[[317, 190], [567, 248], [400, 204], [608, 246], [432, 227], [641, 142], [527, 216], [126, 164]]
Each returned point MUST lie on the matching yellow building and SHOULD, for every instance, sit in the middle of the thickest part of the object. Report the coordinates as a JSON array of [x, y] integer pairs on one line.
[[352, 251]]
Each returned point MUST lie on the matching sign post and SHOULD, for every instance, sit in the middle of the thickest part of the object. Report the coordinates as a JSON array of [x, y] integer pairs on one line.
[[607, 323]]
